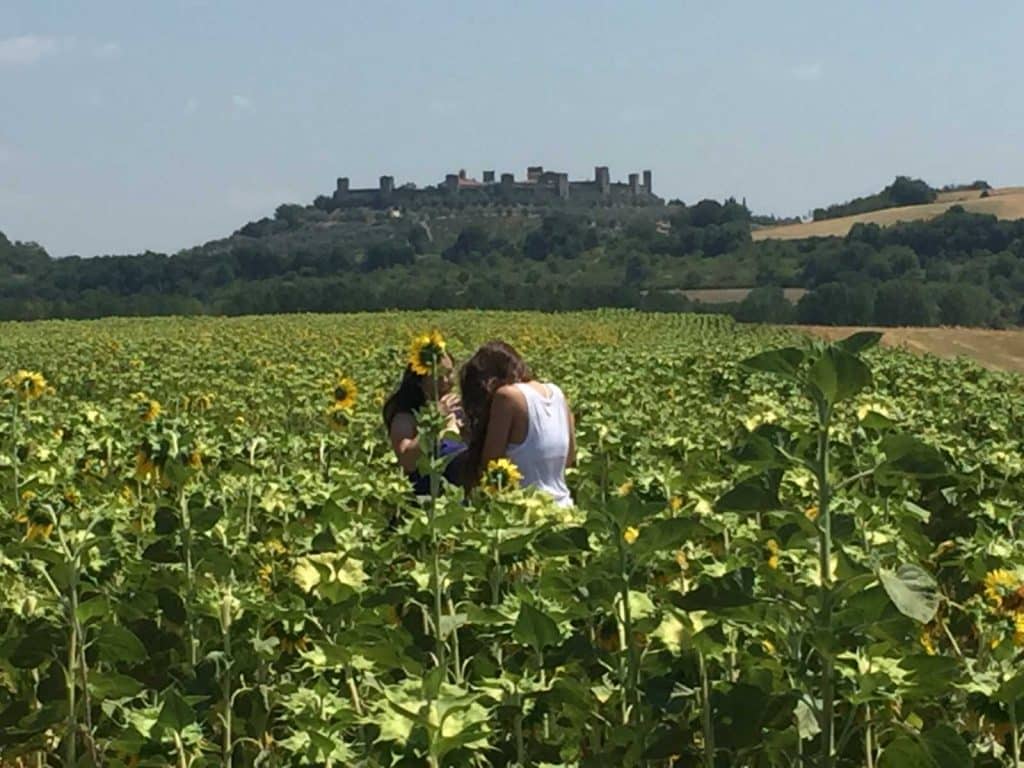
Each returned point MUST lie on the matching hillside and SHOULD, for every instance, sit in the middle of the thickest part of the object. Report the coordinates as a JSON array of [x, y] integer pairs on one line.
[[953, 264], [1004, 203]]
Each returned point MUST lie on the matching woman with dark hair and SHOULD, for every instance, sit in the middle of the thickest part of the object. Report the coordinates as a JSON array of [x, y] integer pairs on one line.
[[399, 413], [511, 415]]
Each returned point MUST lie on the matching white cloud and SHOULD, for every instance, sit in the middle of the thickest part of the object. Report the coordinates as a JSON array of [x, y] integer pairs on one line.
[[27, 49], [241, 102], [107, 51], [191, 106], [808, 72]]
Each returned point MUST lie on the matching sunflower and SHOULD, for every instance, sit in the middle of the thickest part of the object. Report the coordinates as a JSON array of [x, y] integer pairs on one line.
[[675, 503], [927, 643], [811, 513], [426, 352], [29, 385], [630, 535], [501, 475], [625, 489], [195, 459], [337, 416], [996, 583], [149, 410], [1018, 629], [772, 548], [38, 526], [345, 393], [145, 467]]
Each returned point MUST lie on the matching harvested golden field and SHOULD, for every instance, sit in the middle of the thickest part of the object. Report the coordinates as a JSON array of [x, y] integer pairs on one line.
[[999, 350], [1006, 203]]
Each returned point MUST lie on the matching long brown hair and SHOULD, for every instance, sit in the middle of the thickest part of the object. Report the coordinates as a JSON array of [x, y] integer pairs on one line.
[[495, 365]]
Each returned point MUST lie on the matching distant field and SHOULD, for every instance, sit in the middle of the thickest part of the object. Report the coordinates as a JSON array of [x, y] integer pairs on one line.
[[728, 295], [1001, 350], [1006, 203]]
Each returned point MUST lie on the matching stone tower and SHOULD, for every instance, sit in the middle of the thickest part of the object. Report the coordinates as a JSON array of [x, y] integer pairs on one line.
[[647, 183], [603, 180], [634, 184], [488, 177], [387, 186], [341, 191], [563, 186]]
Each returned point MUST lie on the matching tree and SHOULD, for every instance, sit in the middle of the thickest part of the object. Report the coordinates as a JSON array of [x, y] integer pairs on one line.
[[389, 254], [766, 304], [904, 302], [961, 304]]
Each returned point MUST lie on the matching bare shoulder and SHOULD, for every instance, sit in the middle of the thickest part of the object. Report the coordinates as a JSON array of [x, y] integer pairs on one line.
[[509, 398]]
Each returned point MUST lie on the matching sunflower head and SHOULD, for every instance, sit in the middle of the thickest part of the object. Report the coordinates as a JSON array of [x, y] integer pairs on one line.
[[27, 385], [38, 525], [998, 584], [344, 393], [337, 416], [771, 548], [426, 352], [1018, 629], [630, 535], [148, 410], [501, 475]]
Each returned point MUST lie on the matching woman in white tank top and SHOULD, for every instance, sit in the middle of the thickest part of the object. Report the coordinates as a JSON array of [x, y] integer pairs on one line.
[[511, 415]]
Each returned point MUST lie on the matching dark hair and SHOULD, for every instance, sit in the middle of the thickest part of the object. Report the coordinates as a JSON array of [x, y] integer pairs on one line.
[[408, 398], [495, 365]]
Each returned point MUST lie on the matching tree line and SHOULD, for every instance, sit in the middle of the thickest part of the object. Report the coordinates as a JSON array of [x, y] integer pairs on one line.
[[960, 268]]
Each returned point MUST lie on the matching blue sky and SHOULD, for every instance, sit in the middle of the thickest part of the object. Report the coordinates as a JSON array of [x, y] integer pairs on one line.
[[128, 125]]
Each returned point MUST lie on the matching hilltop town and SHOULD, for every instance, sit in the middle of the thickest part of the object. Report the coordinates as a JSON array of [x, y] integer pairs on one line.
[[539, 187]]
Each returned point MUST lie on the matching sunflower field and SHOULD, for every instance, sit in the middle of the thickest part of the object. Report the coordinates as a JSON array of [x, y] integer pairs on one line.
[[784, 553]]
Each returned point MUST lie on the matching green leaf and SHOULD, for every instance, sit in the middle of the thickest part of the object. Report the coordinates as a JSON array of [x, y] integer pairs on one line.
[[912, 590], [93, 609], [116, 643], [781, 362], [535, 628], [905, 752], [111, 685], [1012, 689], [859, 342], [947, 748], [666, 534], [175, 714], [759, 493], [838, 375], [906, 455], [733, 590], [565, 542], [39, 643], [806, 721]]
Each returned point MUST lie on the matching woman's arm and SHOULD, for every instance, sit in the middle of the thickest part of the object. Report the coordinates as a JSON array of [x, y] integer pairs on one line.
[[570, 459], [405, 440], [499, 426]]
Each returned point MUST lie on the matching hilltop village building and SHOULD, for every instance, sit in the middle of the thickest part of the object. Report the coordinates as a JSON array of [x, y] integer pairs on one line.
[[539, 186]]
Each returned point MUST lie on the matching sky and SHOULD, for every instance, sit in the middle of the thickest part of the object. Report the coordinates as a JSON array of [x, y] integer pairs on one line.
[[128, 126]]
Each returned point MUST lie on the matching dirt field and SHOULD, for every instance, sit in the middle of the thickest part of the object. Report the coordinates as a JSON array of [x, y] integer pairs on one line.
[[1001, 350], [1006, 203]]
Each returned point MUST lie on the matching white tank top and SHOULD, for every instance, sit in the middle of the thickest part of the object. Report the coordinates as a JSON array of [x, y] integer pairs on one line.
[[541, 456]]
